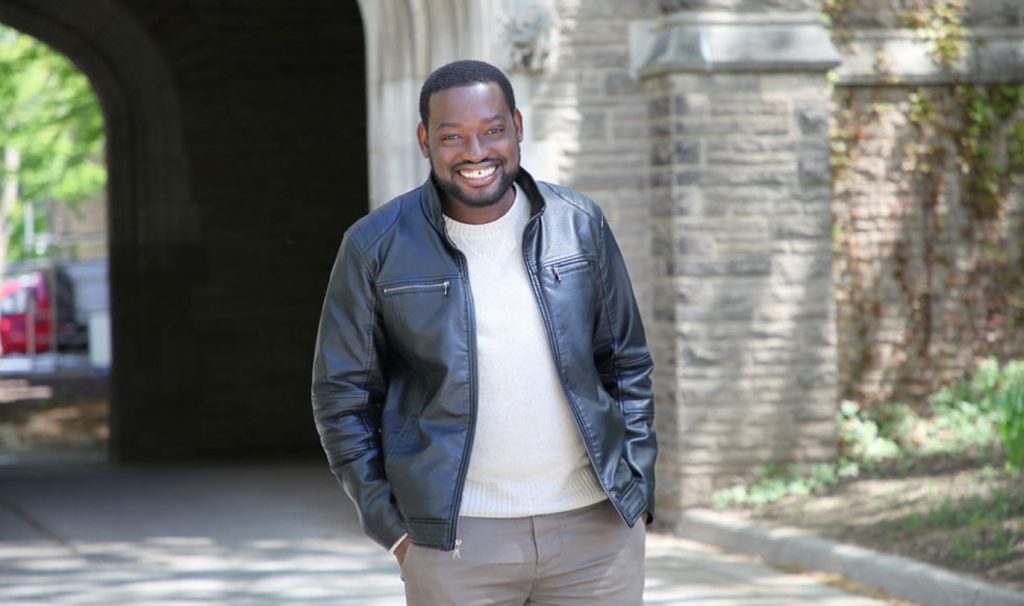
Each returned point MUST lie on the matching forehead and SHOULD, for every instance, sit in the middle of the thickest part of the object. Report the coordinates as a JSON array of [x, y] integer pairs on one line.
[[471, 103]]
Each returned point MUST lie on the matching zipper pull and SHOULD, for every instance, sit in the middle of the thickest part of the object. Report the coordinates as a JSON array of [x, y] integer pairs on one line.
[[446, 283], [558, 277], [456, 555]]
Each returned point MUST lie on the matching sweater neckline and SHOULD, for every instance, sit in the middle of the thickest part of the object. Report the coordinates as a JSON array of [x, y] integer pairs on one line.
[[492, 229]]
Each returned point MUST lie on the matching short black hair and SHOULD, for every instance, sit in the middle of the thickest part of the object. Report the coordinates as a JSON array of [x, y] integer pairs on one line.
[[463, 73]]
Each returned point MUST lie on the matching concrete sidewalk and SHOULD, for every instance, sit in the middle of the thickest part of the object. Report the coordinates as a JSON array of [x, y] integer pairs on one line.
[[268, 534]]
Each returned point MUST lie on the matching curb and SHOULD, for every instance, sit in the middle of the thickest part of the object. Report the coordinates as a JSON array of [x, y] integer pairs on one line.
[[898, 576]]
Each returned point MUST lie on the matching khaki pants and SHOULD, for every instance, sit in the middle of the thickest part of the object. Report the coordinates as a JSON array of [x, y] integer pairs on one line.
[[583, 557]]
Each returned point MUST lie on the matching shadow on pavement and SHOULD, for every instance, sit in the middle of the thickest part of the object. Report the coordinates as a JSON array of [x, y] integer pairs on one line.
[[273, 533]]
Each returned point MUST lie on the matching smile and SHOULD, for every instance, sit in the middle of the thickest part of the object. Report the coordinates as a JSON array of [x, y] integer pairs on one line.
[[483, 173]]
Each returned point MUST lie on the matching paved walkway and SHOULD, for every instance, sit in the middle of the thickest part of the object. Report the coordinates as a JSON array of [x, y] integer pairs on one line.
[[267, 534]]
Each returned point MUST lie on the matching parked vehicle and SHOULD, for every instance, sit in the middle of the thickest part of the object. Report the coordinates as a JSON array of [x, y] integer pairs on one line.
[[37, 295]]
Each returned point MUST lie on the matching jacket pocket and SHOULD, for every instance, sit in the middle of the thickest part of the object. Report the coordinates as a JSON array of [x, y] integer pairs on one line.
[[425, 319], [413, 310], [441, 286], [564, 267]]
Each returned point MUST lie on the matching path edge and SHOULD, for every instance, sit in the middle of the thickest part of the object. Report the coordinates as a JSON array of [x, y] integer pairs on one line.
[[783, 546]]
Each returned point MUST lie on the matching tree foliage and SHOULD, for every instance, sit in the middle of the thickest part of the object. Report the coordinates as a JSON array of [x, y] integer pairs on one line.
[[50, 115]]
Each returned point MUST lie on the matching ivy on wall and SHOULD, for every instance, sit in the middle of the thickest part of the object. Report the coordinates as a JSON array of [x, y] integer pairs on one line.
[[940, 168], [940, 23]]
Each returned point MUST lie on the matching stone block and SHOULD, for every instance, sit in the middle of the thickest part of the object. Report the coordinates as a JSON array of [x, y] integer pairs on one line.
[[596, 181], [661, 153], [660, 179], [750, 107], [695, 244], [804, 229], [622, 132], [698, 127], [622, 84], [659, 130], [686, 152], [813, 120], [738, 267], [627, 111], [798, 269], [714, 44], [760, 176], [814, 169], [694, 355], [658, 108], [593, 125], [685, 177]]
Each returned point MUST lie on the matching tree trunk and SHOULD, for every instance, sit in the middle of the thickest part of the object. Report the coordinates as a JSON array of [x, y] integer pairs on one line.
[[8, 198]]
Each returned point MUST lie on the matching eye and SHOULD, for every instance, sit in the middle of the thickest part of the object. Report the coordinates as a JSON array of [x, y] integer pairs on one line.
[[496, 130], [449, 137]]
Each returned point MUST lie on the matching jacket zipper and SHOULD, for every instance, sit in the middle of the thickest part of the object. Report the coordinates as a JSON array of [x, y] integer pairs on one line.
[[557, 267], [390, 290], [454, 543], [545, 318]]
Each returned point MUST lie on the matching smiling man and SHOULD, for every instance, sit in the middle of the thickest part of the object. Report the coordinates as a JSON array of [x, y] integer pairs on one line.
[[481, 381]]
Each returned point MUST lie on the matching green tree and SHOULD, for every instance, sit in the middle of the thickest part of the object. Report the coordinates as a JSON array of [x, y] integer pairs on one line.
[[51, 134]]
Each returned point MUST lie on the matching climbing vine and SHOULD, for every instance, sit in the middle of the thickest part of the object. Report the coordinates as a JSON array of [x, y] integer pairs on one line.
[[990, 143], [833, 14], [940, 23], [957, 272]]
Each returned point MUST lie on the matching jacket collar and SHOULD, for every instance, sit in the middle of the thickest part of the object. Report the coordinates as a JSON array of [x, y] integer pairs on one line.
[[430, 197]]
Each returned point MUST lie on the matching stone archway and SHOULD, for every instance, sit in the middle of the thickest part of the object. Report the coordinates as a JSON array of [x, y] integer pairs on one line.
[[148, 189], [236, 160], [164, 233]]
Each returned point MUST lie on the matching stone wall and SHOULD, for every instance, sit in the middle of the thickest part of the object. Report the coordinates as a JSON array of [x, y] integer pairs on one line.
[[928, 264], [585, 118], [928, 199]]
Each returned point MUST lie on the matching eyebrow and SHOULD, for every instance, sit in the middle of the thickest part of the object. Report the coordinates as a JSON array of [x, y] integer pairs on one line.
[[494, 118]]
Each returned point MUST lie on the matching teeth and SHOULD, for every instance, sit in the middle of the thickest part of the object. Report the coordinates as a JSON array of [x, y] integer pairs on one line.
[[478, 174]]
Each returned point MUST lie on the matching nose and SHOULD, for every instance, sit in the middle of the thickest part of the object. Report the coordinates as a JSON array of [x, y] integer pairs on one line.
[[474, 149]]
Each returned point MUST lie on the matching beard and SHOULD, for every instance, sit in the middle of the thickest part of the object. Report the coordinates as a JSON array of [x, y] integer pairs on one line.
[[453, 191]]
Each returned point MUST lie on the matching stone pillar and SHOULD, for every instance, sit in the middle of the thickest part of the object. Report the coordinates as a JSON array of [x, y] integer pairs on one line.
[[744, 326]]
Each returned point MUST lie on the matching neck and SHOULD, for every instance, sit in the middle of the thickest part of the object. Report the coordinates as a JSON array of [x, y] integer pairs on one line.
[[475, 215]]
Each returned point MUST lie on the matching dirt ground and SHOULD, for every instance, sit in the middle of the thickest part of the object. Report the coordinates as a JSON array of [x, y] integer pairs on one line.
[[54, 425], [964, 514]]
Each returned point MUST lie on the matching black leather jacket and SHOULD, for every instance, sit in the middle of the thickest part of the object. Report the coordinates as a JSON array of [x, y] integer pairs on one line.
[[395, 380]]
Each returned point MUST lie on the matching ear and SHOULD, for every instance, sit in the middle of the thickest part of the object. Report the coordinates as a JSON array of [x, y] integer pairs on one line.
[[517, 119], [421, 135]]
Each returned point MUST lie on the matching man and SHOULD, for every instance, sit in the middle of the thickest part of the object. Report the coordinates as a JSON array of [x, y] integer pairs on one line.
[[481, 382]]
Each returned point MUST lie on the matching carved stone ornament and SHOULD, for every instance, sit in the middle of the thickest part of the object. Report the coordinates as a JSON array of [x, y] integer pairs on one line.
[[530, 40]]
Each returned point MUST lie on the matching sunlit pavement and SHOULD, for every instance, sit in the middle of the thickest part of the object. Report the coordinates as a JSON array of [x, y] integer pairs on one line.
[[266, 533], [46, 364]]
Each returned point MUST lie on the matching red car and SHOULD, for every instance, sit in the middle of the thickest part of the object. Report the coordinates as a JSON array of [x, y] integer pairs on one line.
[[29, 291]]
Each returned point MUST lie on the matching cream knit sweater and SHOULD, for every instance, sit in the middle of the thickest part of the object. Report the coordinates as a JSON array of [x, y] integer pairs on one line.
[[528, 457]]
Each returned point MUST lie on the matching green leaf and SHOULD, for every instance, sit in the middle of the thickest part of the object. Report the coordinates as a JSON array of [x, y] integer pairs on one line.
[[49, 113]]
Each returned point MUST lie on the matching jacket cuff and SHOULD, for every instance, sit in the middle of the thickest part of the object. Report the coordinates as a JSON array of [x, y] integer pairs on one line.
[[397, 543], [391, 537]]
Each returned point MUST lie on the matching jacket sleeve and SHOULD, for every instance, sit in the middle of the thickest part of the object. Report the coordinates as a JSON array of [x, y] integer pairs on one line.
[[624, 362], [348, 392]]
